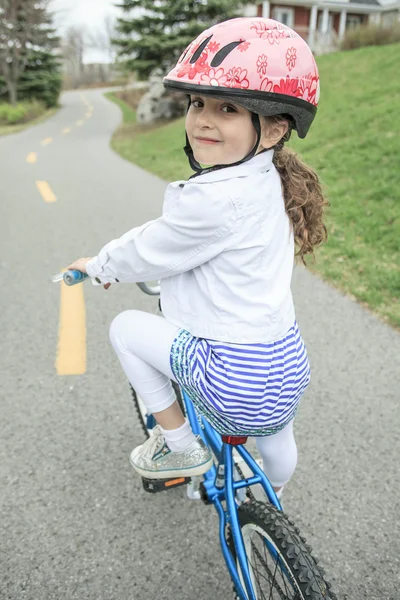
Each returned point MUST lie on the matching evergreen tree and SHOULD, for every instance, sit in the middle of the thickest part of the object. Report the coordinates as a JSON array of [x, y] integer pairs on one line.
[[41, 79], [27, 44], [162, 29]]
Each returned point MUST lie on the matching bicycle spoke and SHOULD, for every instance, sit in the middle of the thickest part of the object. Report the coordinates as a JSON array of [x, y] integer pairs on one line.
[[269, 576], [280, 563], [270, 579]]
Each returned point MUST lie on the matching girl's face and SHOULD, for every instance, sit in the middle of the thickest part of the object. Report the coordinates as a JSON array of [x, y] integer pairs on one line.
[[219, 132]]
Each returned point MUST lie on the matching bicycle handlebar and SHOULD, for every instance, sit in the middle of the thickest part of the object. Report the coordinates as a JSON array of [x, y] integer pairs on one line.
[[150, 290], [73, 277]]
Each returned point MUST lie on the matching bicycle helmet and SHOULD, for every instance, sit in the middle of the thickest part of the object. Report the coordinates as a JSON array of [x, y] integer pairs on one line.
[[257, 63]]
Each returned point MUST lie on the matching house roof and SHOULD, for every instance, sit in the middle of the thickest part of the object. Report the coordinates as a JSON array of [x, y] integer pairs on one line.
[[370, 2]]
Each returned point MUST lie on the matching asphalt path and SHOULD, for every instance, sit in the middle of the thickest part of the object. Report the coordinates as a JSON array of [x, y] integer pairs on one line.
[[75, 523]]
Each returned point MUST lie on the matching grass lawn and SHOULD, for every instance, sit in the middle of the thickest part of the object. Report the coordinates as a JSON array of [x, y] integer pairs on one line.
[[7, 129], [354, 145]]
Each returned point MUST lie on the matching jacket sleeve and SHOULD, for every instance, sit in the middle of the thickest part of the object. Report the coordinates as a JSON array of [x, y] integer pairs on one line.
[[189, 233]]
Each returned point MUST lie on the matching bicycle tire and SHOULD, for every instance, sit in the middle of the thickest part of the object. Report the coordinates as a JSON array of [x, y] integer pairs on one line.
[[293, 551], [139, 410]]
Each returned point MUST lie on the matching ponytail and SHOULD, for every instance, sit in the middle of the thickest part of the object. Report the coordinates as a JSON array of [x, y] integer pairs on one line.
[[304, 200]]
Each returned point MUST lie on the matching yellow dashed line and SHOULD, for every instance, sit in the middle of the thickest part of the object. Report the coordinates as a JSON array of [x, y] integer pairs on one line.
[[79, 123], [88, 115], [46, 191], [71, 350], [31, 158], [85, 101], [66, 130], [47, 141]]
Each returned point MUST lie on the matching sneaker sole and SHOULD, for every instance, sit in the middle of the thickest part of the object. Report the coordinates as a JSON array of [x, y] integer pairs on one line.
[[190, 472]]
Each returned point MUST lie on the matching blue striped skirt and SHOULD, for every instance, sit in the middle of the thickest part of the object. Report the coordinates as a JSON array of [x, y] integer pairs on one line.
[[243, 389]]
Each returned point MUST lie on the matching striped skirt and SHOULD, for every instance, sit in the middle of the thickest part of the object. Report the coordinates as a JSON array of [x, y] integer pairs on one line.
[[243, 389]]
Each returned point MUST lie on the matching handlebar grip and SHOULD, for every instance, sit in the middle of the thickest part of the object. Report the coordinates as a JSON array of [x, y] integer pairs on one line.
[[73, 277]]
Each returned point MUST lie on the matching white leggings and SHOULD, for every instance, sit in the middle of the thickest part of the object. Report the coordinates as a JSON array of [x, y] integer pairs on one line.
[[143, 343]]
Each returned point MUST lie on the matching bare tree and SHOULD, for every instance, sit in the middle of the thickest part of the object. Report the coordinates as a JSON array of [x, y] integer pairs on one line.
[[75, 42], [103, 39], [24, 25]]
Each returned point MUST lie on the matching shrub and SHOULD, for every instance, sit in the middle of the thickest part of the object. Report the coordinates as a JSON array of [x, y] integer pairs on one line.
[[21, 113], [371, 35], [131, 97]]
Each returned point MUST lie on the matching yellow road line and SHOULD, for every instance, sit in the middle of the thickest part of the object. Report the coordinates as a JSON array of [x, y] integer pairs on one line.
[[47, 141], [31, 158], [85, 101], [79, 123], [88, 115], [46, 191], [71, 350], [66, 130]]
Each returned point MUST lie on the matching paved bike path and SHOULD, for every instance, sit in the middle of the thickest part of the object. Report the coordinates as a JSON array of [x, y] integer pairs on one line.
[[74, 521]]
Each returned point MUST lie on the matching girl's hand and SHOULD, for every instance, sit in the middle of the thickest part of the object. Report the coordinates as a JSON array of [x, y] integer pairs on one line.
[[80, 265]]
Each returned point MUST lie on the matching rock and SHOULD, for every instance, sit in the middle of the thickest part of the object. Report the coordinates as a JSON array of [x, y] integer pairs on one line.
[[159, 104]]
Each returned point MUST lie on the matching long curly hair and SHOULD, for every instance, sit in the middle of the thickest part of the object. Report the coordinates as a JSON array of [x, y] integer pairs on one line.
[[303, 196]]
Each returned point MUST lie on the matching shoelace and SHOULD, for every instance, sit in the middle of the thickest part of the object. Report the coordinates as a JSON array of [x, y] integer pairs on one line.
[[153, 443]]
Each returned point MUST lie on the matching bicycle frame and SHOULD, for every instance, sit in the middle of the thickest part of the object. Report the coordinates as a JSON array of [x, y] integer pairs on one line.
[[217, 493]]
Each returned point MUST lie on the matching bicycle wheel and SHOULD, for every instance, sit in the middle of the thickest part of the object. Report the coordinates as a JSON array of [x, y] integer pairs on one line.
[[146, 420], [281, 563]]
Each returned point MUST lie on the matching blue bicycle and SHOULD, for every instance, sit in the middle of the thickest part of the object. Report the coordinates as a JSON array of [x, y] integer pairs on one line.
[[265, 554]]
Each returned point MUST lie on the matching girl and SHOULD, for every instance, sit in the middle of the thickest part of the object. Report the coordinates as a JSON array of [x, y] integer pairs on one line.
[[224, 251]]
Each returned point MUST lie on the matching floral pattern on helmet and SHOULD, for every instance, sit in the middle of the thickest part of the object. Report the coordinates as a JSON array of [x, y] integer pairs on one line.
[[262, 64], [200, 66], [213, 47], [273, 35], [309, 89], [291, 57], [237, 78], [266, 85], [243, 46], [288, 86], [215, 77]]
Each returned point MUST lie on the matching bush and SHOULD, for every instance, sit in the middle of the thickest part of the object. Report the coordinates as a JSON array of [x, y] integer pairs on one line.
[[22, 113], [131, 97], [371, 35]]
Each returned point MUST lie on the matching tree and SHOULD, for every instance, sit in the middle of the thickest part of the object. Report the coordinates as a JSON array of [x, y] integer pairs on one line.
[[102, 39], [41, 79], [158, 31], [25, 28], [75, 42]]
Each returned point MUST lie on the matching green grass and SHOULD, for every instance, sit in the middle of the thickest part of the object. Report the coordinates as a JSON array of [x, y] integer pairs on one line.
[[8, 129], [354, 145], [129, 115]]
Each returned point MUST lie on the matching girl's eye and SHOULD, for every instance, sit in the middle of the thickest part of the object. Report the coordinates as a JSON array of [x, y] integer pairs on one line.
[[196, 103], [229, 108]]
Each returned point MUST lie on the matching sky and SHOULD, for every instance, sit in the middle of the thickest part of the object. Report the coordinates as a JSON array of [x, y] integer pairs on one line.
[[86, 13]]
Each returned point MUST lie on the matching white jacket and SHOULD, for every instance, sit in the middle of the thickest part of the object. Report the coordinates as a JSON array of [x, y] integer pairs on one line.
[[224, 251]]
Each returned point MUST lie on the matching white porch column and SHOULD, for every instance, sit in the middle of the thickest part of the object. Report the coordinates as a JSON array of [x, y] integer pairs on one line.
[[266, 9], [325, 21], [342, 24], [312, 25]]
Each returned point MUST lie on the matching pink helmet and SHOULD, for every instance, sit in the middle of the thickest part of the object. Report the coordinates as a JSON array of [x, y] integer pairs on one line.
[[257, 63]]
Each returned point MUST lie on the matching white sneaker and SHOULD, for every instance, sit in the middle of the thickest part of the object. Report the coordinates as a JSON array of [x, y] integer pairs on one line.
[[154, 460]]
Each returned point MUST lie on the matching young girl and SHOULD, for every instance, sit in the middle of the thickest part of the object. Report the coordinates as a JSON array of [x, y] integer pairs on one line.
[[224, 251]]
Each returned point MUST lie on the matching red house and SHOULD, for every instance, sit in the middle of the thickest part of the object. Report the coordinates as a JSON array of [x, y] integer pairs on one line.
[[322, 23]]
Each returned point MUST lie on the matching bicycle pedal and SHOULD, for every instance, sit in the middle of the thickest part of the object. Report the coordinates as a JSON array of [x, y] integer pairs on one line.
[[159, 485]]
